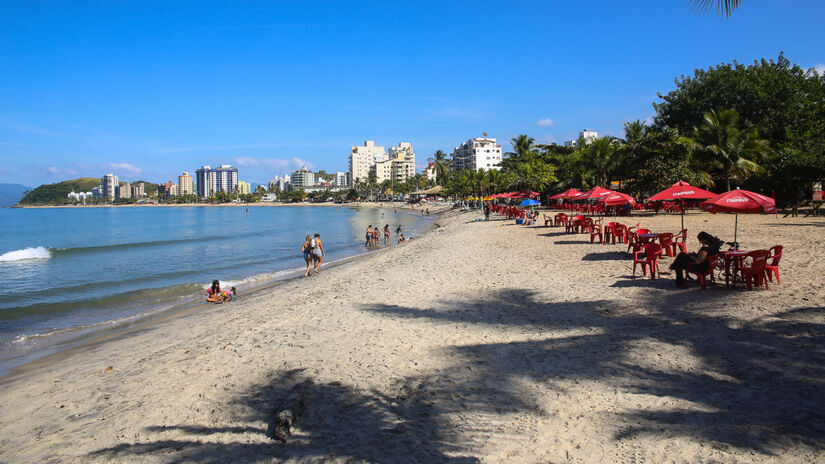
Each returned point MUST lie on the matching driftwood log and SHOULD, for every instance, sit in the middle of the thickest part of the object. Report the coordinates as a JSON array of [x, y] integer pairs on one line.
[[288, 413]]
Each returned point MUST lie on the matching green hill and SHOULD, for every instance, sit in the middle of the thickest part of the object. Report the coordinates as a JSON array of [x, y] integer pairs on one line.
[[57, 194]]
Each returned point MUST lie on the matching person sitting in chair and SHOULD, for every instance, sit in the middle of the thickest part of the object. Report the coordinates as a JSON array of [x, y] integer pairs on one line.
[[696, 262]]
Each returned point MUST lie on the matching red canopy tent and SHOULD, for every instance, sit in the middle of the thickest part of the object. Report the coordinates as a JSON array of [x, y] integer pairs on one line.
[[739, 201], [565, 195], [682, 191]]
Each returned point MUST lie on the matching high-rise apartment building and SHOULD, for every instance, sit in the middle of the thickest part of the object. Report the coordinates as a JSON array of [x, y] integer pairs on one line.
[[429, 172], [302, 178], [108, 186], [244, 188], [340, 179], [477, 153], [212, 180], [185, 185], [206, 181], [279, 183], [124, 191], [167, 190], [137, 190], [363, 158]]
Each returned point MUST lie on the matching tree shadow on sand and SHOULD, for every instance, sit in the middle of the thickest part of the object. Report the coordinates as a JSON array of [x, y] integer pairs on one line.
[[340, 423], [763, 388], [761, 385]]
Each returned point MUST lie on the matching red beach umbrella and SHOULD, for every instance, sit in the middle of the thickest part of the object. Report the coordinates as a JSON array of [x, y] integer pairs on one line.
[[739, 201], [682, 191], [594, 193], [616, 199], [566, 194]]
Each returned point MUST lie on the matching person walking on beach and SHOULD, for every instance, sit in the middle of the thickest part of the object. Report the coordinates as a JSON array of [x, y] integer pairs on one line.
[[318, 252], [369, 235], [386, 234], [306, 249]]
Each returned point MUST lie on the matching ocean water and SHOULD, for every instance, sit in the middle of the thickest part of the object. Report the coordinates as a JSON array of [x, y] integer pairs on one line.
[[68, 272]]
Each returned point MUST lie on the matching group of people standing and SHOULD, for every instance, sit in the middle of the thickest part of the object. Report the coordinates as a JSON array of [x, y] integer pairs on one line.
[[314, 253], [373, 235]]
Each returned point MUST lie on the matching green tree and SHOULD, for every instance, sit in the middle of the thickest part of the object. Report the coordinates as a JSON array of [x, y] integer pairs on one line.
[[604, 158], [727, 148], [442, 166]]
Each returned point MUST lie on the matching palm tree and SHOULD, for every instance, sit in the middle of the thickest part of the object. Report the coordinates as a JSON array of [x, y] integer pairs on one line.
[[729, 148], [522, 145], [722, 6], [442, 166], [634, 131], [604, 157]]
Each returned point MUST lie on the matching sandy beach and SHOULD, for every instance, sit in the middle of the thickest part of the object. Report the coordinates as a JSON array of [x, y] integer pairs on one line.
[[478, 342]]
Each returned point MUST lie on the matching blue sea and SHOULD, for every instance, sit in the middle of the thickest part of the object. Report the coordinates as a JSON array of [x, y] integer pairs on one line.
[[67, 273]]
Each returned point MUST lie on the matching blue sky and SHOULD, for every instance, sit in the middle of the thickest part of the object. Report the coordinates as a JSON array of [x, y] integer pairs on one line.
[[149, 89]]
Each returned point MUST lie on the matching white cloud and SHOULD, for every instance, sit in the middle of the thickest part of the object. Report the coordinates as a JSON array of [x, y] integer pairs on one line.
[[126, 167], [275, 164], [53, 170], [545, 122]]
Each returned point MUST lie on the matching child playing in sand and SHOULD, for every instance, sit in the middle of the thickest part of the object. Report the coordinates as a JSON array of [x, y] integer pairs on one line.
[[215, 295]]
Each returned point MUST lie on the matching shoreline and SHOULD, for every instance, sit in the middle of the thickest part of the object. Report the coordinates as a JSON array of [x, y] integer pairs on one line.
[[362, 204], [62, 348], [479, 341]]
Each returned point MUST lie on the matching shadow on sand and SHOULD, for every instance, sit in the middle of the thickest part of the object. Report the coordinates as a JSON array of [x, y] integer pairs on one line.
[[761, 387]]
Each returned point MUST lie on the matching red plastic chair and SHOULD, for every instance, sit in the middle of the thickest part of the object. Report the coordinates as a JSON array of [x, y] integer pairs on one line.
[[713, 261], [772, 269], [620, 233], [633, 241], [756, 274], [652, 252], [666, 241], [679, 241]]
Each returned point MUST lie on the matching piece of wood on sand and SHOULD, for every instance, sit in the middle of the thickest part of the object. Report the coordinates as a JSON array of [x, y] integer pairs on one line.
[[288, 413]]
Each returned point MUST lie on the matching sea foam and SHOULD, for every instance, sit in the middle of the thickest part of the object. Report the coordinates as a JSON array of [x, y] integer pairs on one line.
[[26, 253]]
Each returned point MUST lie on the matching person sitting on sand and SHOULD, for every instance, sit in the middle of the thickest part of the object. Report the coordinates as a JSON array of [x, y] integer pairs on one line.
[[306, 249], [696, 262], [318, 252], [214, 293], [402, 238]]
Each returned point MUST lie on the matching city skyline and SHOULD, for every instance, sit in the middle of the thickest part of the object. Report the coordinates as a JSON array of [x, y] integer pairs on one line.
[[147, 93]]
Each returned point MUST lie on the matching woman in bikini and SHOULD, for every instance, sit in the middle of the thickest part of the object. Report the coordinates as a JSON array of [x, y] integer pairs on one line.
[[386, 234], [306, 249], [318, 252]]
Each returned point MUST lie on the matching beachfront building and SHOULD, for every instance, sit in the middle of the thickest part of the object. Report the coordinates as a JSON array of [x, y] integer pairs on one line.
[[429, 173], [279, 183], [108, 186], [185, 185], [477, 153], [403, 158], [586, 135], [244, 188], [302, 179], [167, 190], [363, 158], [124, 190], [213, 180], [137, 190], [340, 179], [79, 196]]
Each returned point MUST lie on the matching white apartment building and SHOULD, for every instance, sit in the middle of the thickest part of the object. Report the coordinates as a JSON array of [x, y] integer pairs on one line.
[[429, 172], [585, 134], [108, 186], [210, 181], [403, 157], [244, 188], [185, 185], [279, 183], [340, 179], [302, 178], [477, 153], [363, 158]]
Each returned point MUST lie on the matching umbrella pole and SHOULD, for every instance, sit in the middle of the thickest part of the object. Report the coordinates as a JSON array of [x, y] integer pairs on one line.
[[735, 231], [682, 207]]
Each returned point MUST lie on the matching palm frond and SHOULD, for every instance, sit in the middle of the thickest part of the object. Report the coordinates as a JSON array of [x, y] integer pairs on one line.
[[725, 7]]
